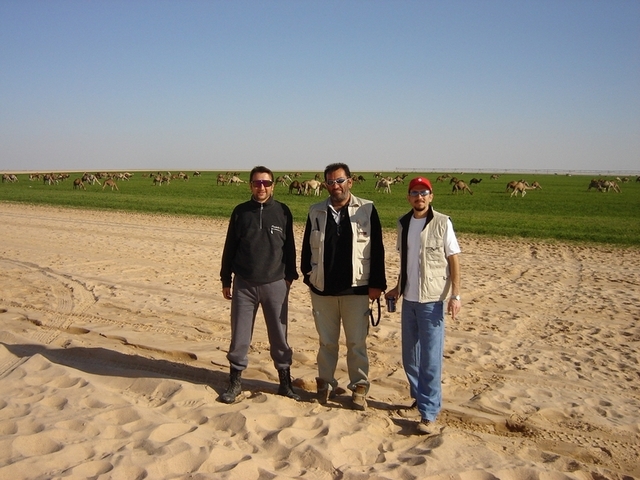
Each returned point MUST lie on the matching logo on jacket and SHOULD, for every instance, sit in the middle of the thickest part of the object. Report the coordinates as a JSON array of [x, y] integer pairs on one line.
[[276, 228]]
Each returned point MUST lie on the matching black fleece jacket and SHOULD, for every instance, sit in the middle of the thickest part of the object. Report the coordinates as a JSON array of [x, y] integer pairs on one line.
[[260, 246]]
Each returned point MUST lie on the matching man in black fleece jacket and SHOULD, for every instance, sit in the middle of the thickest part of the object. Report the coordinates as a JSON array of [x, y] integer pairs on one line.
[[260, 254]]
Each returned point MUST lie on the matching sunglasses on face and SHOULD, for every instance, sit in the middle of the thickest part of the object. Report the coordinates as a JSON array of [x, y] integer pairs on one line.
[[339, 181], [264, 183], [422, 193]]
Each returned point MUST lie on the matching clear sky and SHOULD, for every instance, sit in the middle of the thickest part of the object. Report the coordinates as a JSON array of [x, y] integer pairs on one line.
[[295, 85]]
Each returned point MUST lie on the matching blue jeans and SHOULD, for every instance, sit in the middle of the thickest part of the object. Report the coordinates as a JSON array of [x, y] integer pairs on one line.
[[422, 353]]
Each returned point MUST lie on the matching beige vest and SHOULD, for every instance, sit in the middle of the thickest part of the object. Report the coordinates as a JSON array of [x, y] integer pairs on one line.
[[434, 279], [360, 217]]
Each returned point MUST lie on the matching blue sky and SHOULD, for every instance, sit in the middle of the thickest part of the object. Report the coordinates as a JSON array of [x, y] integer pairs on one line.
[[295, 85]]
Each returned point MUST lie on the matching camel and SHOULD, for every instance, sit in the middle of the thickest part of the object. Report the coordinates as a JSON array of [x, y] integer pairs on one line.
[[295, 185], [160, 179], [50, 179], [311, 185], [109, 182], [282, 181], [535, 185], [77, 184], [609, 185], [11, 178], [91, 179], [460, 186], [221, 180], [521, 187], [511, 185], [196, 173], [454, 180], [440, 178], [495, 176], [474, 181], [384, 184], [603, 185], [400, 178], [595, 183], [236, 179]]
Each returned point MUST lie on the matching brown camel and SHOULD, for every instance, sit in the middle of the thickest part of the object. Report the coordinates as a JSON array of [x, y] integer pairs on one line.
[[521, 187], [109, 182], [461, 186]]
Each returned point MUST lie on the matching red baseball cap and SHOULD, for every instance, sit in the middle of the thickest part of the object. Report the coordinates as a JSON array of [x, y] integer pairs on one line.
[[420, 181]]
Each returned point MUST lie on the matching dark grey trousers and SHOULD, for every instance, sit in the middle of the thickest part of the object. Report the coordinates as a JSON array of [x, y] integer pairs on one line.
[[274, 300]]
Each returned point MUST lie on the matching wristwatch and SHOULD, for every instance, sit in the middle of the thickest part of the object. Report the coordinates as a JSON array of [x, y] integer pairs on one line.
[[455, 297]]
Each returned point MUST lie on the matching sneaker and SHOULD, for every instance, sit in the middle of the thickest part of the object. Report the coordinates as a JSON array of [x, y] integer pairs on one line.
[[358, 399], [428, 427]]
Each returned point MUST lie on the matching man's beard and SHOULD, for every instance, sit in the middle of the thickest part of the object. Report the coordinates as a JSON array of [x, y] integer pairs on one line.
[[339, 197]]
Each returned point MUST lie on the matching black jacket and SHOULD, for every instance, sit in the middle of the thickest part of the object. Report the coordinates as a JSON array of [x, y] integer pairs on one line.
[[260, 246]]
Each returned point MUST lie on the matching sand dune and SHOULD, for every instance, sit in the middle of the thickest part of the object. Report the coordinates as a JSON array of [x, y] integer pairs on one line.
[[112, 354]]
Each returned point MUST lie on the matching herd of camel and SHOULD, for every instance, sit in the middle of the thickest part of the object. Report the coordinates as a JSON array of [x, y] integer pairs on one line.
[[302, 187]]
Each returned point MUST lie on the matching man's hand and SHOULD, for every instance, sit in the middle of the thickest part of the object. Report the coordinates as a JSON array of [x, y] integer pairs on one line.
[[374, 293], [453, 307], [393, 293]]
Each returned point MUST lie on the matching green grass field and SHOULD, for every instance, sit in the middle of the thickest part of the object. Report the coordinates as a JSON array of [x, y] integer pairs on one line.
[[563, 210]]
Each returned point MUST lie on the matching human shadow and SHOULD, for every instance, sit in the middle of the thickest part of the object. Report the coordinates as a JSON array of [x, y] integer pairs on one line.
[[105, 362]]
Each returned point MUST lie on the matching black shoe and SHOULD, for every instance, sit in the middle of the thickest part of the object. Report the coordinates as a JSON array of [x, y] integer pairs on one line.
[[286, 388], [234, 389]]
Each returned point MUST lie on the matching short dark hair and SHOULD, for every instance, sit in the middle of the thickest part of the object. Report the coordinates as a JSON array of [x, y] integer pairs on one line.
[[337, 166], [260, 169]]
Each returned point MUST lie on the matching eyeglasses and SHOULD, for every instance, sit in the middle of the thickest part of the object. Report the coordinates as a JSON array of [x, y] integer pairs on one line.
[[422, 193], [264, 183], [339, 181]]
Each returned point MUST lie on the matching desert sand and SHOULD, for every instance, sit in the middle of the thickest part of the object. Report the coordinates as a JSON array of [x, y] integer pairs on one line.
[[113, 336]]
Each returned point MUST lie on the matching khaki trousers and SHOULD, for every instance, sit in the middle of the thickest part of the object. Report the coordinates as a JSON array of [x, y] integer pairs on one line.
[[353, 312]]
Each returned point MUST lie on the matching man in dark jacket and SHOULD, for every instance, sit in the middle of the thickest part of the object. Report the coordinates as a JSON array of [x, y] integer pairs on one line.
[[260, 254]]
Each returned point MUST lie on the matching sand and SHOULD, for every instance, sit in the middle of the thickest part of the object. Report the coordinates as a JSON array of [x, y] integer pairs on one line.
[[112, 356]]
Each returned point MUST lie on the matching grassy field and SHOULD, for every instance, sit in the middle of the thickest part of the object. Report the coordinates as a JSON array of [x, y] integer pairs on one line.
[[562, 210]]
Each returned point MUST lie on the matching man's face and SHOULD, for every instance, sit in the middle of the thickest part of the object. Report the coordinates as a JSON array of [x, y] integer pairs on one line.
[[339, 192], [261, 186], [420, 197]]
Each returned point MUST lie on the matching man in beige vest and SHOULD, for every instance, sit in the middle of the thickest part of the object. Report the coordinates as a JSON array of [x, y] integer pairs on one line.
[[343, 264], [429, 279]]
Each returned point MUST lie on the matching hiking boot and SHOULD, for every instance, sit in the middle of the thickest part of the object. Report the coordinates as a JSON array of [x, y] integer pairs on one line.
[[323, 389], [410, 412], [358, 399], [286, 388], [429, 427], [234, 388]]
